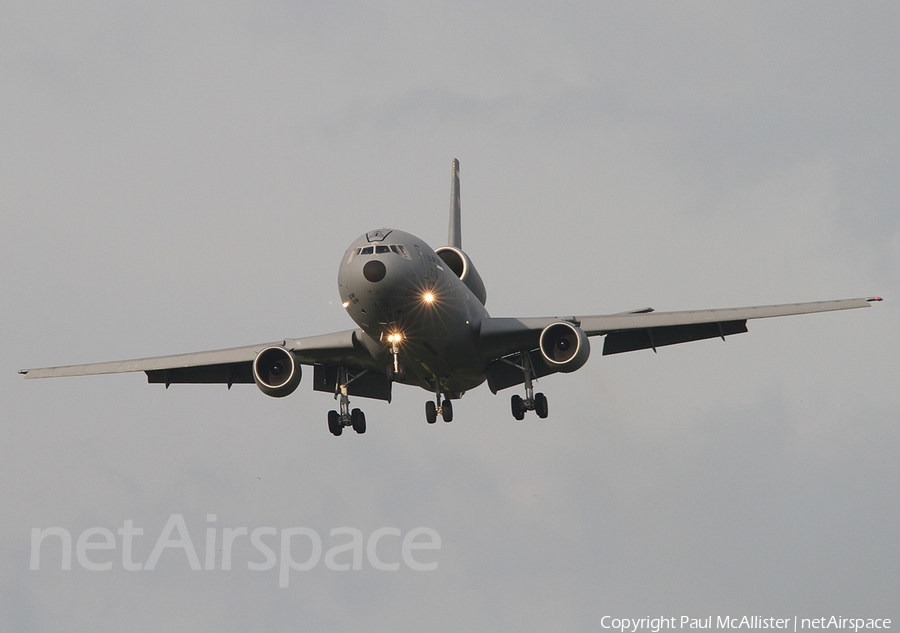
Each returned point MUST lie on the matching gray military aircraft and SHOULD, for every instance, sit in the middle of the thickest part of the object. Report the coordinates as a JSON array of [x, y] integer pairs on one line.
[[422, 321]]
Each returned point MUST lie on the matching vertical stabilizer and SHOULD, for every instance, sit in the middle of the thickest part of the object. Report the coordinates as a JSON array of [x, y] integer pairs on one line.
[[455, 237]]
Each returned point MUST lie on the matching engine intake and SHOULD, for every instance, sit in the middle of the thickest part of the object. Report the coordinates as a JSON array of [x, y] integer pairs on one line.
[[564, 346], [462, 267], [276, 372]]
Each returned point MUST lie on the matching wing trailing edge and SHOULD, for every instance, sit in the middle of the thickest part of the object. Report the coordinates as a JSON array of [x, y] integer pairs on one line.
[[604, 324], [651, 338]]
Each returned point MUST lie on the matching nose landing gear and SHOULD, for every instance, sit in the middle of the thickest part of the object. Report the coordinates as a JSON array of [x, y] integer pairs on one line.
[[395, 371]]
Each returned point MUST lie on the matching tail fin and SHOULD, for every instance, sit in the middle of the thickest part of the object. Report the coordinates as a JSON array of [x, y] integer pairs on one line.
[[455, 237]]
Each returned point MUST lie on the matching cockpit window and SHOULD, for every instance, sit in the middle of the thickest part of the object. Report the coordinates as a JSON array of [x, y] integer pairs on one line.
[[400, 250], [379, 249]]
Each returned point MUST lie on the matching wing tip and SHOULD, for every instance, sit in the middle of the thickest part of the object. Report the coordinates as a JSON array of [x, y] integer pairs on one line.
[[876, 298]]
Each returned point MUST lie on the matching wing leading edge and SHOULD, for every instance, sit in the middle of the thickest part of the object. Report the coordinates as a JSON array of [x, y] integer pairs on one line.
[[228, 366]]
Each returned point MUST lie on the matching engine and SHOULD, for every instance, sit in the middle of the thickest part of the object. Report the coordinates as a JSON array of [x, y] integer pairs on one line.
[[564, 346], [276, 372], [462, 267]]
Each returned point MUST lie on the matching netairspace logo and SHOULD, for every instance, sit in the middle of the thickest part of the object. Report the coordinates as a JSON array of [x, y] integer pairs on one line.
[[343, 556], [747, 622]]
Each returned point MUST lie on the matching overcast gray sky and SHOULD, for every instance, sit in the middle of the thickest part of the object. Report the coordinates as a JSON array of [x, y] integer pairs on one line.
[[177, 177]]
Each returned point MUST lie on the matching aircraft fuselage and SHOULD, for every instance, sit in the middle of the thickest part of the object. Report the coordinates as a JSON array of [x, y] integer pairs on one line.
[[400, 292]]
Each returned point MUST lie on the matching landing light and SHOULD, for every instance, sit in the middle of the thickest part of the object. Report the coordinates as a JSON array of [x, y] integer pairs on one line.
[[428, 297], [395, 337], [345, 304]]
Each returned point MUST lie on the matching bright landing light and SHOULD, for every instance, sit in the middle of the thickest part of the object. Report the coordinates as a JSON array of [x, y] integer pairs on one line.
[[428, 297]]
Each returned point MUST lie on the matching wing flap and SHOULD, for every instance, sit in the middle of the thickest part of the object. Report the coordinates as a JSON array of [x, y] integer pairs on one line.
[[228, 374], [651, 338], [507, 371], [368, 384]]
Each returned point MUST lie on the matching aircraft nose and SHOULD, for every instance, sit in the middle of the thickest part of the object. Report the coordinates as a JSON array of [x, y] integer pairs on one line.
[[374, 271]]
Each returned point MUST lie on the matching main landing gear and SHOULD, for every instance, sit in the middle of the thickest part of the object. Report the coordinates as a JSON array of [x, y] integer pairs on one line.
[[532, 401], [436, 407], [338, 420], [537, 403], [432, 411]]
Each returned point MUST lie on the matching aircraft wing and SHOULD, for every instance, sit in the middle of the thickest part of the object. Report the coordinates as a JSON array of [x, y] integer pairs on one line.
[[229, 366], [645, 329]]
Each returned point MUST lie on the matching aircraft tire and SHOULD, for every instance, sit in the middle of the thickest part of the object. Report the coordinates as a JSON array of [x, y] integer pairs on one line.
[[518, 407], [359, 420], [447, 411], [398, 376], [540, 405], [430, 412], [334, 423]]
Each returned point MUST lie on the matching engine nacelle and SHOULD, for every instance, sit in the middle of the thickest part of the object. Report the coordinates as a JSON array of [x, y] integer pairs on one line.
[[462, 267], [276, 371], [564, 346]]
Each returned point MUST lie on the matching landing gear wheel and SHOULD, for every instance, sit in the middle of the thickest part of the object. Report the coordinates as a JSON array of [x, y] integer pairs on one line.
[[358, 421], [518, 407], [540, 405], [398, 376], [447, 411], [430, 412], [334, 423]]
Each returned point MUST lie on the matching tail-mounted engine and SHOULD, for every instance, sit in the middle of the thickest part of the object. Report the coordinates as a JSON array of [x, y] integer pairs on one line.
[[564, 346], [276, 372], [462, 267]]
